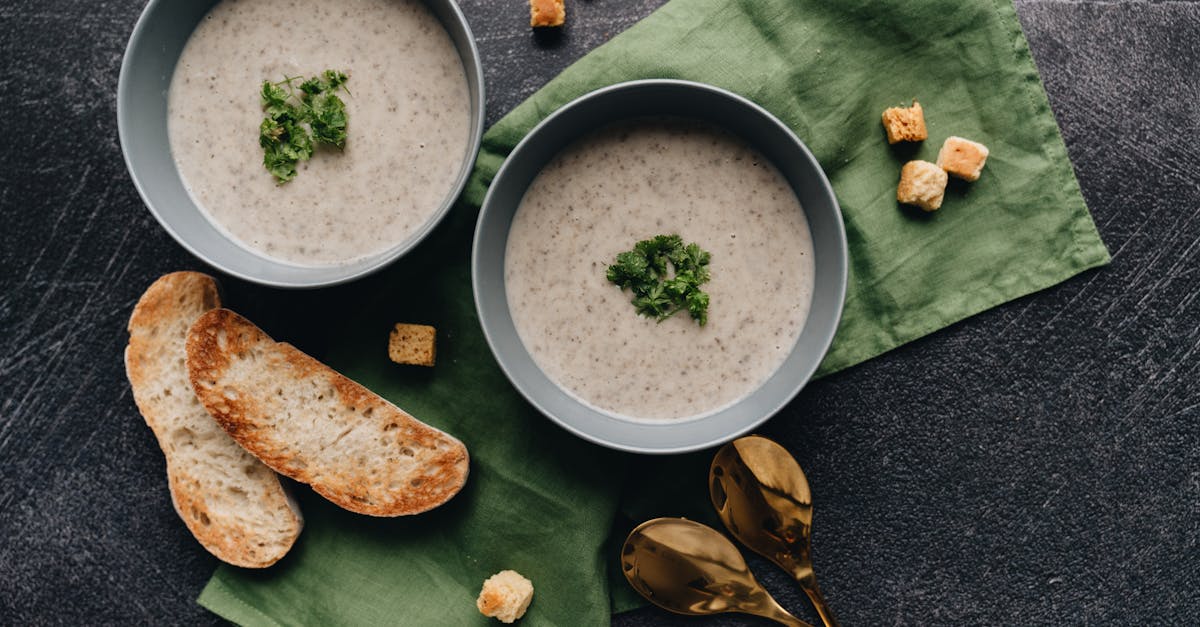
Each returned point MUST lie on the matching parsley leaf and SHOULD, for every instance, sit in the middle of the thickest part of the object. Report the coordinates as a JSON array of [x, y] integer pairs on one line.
[[328, 120], [311, 87], [284, 144], [296, 123], [334, 80], [657, 292], [630, 268], [274, 97], [697, 304]]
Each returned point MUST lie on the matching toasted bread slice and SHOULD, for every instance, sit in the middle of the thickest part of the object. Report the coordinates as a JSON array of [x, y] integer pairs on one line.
[[233, 504], [316, 426]]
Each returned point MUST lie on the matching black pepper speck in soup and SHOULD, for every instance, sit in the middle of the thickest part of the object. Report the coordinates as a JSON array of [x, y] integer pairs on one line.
[[630, 182]]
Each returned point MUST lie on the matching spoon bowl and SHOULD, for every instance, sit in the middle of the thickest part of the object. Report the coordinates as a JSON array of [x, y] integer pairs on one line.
[[762, 496], [689, 568]]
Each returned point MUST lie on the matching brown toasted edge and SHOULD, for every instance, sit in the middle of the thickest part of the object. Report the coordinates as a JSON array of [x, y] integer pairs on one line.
[[224, 547], [155, 299], [154, 304]]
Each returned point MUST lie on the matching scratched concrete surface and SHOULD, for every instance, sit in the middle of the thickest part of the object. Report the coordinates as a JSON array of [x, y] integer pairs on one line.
[[1039, 463]]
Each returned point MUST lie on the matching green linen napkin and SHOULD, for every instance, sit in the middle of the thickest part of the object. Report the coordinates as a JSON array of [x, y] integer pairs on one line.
[[541, 501]]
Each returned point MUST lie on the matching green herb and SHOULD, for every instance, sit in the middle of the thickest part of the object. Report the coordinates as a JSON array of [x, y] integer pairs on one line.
[[295, 123], [657, 292]]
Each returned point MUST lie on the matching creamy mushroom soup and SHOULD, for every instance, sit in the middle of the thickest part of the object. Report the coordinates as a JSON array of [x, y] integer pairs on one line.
[[631, 182], [409, 117]]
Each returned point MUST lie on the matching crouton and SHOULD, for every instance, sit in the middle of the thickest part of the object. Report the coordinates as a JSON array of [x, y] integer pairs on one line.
[[505, 596], [413, 344], [962, 158], [544, 13], [905, 124], [922, 184]]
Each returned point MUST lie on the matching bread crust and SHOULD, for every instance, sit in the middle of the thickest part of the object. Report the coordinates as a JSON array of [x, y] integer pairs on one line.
[[233, 504], [312, 424]]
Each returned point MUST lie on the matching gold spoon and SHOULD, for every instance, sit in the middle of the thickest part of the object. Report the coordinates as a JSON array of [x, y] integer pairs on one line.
[[763, 498], [690, 568]]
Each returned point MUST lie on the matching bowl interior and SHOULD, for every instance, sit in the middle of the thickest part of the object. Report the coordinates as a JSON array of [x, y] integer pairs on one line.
[[155, 46], [661, 98]]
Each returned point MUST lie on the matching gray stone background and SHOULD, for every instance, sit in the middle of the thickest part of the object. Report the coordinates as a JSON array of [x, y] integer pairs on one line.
[[1038, 463]]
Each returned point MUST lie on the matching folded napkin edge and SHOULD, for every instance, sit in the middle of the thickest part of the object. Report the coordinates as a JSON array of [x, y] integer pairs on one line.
[[223, 600]]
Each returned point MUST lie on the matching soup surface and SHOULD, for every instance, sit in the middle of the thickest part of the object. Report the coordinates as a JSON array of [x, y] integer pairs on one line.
[[630, 182], [409, 120]]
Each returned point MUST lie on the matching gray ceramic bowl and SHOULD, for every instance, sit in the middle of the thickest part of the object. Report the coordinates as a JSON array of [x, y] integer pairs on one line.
[[673, 98], [155, 46]]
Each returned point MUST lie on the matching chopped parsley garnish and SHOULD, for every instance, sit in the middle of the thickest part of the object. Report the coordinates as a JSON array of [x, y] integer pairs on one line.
[[657, 292], [296, 122]]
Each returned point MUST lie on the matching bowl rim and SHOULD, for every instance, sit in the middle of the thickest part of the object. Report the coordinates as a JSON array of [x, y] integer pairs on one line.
[[383, 259], [504, 361]]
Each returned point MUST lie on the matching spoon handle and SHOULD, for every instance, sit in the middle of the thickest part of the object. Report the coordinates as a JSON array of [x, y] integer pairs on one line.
[[768, 608], [809, 585]]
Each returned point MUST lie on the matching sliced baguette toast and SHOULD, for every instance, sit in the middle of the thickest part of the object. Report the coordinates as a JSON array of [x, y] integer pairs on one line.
[[234, 505], [314, 425]]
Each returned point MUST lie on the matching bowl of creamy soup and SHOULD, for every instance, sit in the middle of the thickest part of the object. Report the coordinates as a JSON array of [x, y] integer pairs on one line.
[[300, 143], [660, 266]]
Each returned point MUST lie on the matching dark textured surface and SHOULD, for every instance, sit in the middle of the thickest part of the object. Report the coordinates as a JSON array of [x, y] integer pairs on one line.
[[1038, 463]]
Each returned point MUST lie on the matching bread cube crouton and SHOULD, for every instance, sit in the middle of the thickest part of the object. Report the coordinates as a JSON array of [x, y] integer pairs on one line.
[[922, 184], [413, 344], [546, 13], [962, 158], [905, 124], [505, 596]]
